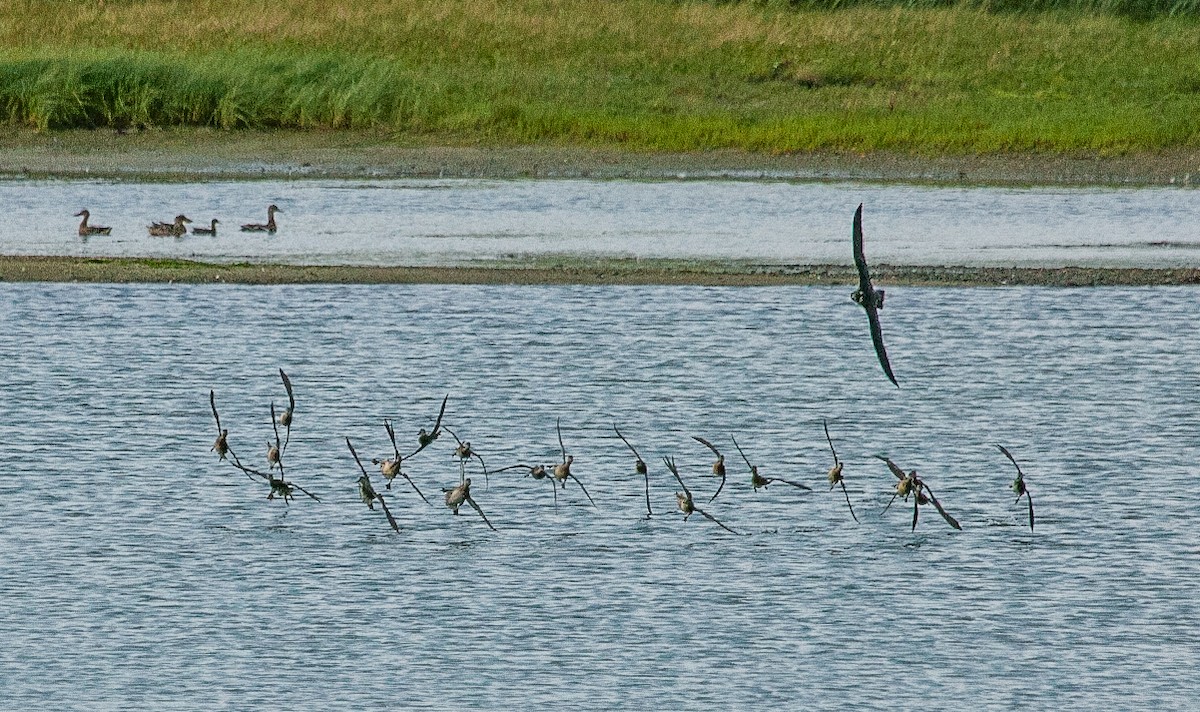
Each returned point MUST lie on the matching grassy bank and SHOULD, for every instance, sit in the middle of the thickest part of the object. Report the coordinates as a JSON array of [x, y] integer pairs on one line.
[[597, 272], [633, 74]]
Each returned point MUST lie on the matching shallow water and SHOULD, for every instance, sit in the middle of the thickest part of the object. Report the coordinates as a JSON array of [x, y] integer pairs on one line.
[[136, 571], [448, 222]]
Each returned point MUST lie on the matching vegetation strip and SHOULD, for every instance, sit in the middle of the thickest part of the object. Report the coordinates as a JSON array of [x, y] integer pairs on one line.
[[613, 272]]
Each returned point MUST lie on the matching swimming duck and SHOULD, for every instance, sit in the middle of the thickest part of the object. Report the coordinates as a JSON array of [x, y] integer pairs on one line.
[[175, 229], [868, 297], [718, 467], [639, 467], [835, 472], [1018, 486], [367, 492], [206, 230], [910, 484], [455, 497], [684, 500], [758, 481], [268, 226], [85, 229]]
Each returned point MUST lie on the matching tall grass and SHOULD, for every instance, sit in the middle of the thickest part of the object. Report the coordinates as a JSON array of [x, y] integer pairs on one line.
[[645, 74]]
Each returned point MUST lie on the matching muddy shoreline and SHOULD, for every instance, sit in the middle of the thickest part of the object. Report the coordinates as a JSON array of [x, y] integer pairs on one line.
[[606, 272], [209, 154]]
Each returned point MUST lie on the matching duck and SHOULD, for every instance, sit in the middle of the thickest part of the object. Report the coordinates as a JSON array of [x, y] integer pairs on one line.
[[175, 229], [85, 229], [207, 230], [268, 226]]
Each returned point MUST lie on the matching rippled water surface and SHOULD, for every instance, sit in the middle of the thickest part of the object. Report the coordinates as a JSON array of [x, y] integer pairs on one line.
[[138, 572], [434, 222]]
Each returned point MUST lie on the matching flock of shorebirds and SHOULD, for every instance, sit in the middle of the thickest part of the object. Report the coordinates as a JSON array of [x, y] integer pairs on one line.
[[178, 227], [908, 484]]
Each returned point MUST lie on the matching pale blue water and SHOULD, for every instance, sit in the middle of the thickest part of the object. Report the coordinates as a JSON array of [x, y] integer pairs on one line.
[[138, 572], [435, 222]]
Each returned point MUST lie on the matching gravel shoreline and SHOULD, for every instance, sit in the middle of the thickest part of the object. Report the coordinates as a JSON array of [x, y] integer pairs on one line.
[[600, 272]]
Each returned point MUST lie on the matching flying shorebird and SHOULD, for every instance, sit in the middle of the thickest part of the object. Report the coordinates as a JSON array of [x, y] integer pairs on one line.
[[718, 467], [910, 484], [537, 472], [835, 472], [268, 226], [639, 467], [425, 439], [870, 298], [1018, 485], [391, 467], [367, 492], [455, 496], [465, 452], [221, 446], [285, 418], [85, 229], [686, 502], [757, 480], [563, 469]]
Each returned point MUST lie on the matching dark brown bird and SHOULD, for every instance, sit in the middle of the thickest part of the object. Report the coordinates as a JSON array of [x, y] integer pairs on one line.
[[757, 480], [465, 452], [86, 230], [1018, 485], [835, 472], [212, 230], [391, 467], [367, 492], [563, 469], [455, 497], [639, 467], [718, 467], [686, 502], [869, 298], [221, 446], [425, 439], [268, 226], [910, 484]]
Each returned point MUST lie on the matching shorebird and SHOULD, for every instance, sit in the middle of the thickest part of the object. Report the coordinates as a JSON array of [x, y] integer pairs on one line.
[[425, 439], [268, 226], [455, 497], [835, 472], [563, 469], [367, 492], [175, 229], [639, 467], [85, 229], [869, 298], [221, 446], [206, 230], [757, 480], [537, 472], [285, 418], [718, 467], [465, 452], [1018, 485], [910, 484], [684, 499], [391, 467]]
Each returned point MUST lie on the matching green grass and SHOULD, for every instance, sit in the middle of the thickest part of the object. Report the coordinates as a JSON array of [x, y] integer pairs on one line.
[[1105, 76]]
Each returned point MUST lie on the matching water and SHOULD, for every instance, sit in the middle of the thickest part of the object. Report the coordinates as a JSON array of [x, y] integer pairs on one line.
[[138, 572], [439, 222]]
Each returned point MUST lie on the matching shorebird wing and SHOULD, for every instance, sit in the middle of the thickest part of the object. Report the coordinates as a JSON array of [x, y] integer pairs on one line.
[[719, 488], [310, 494], [714, 520], [797, 485], [583, 488], [825, 425], [387, 425], [877, 340], [860, 259], [212, 401], [355, 454], [852, 514], [632, 449], [438, 424], [893, 467], [1010, 459], [670, 463], [916, 511], [388, 513], [739, 449], [558, 428], [1030, 509], [945, 515], [707, 444], [471, 502], [415, 488], [287, 383]]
